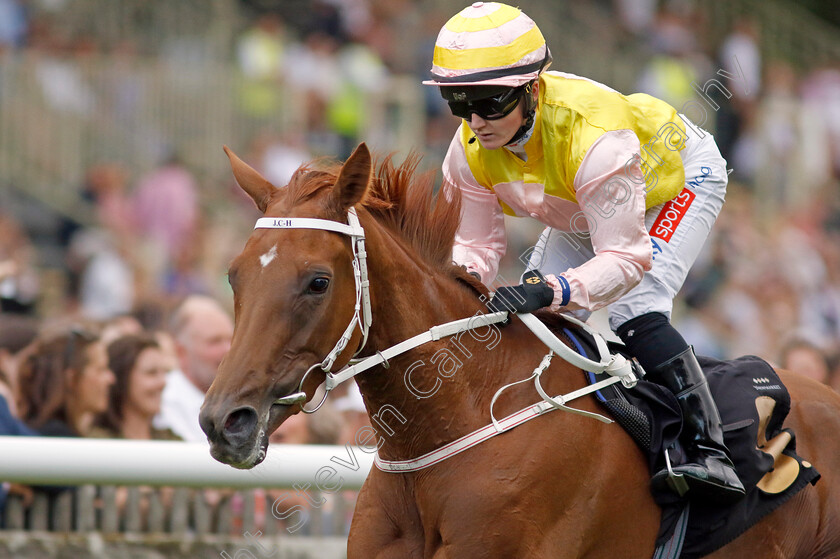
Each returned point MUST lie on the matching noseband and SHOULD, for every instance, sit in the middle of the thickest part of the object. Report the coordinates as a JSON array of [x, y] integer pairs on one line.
[[362, 314]]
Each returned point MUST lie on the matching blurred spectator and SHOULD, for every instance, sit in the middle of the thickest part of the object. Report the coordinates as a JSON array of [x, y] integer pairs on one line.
[[106, 187], [439, 119], [106, 278], [259, 53], [19, 281], [636, 16], [821, 105], [64, 383], [675, 65], [277, 157], [668, 76], [119, 326], [740, 56], [295, 430], [312, 69], [58, 70], [354, 415], [99, 258], [806, 358], [202, 331], [185, 274], [152, 314], [323, 427], [16, 333], [13, 24], [773, 144], [140, 368], [166, 212], [324, 17], [125, 89], [11, 425], [364, 77], [701, 322], [151, 311]]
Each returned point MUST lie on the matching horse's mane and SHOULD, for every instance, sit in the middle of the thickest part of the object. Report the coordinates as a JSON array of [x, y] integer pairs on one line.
[[399, 198]]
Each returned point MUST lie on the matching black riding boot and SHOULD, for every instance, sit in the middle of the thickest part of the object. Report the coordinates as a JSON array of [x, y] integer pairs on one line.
[[709, 472]]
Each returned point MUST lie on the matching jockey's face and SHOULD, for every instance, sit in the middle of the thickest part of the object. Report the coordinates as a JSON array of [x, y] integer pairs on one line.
[[494, 134]]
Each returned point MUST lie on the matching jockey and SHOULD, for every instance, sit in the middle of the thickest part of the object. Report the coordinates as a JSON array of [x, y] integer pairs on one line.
[[628, 190]]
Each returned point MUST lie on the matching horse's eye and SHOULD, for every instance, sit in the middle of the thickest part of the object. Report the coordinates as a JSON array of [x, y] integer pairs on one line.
[[319, 285]]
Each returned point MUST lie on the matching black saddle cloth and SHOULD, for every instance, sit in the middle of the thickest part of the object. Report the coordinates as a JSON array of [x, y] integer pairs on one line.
[[753, 405]]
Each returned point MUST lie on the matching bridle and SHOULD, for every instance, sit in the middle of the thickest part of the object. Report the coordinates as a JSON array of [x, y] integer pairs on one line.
[[362, 316], [619, 369]]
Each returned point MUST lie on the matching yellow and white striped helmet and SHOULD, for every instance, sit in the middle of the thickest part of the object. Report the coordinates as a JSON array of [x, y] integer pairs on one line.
[[489, 43]]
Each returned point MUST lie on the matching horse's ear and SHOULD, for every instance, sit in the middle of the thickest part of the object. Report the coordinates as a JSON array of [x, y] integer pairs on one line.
[[259, 189], [353, 179]]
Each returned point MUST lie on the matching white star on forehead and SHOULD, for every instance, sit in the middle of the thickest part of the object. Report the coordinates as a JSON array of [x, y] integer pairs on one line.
[[265, 259]]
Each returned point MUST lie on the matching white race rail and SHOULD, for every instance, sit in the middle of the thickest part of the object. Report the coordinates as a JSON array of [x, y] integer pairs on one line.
[[71, 461]]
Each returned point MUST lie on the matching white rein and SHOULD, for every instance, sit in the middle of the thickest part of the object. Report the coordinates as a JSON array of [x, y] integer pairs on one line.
[[617, 366]]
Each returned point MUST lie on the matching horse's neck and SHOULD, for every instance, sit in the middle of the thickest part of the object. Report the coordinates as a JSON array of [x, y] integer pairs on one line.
[[407, 295], [441, 390]]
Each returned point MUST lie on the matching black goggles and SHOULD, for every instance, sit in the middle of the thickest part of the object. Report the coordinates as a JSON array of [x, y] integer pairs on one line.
[[492, 107]]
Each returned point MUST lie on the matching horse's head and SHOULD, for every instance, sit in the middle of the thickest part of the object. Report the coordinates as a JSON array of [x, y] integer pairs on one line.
[[295, 294]]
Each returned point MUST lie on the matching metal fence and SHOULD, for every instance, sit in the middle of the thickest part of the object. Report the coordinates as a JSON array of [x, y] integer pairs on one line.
[[179, 511], [117, 486]]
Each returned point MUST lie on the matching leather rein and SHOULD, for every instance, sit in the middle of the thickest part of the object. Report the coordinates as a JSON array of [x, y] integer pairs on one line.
[[619, 368]]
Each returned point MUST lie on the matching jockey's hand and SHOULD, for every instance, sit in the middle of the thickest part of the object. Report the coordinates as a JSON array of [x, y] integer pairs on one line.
[[532, 294]]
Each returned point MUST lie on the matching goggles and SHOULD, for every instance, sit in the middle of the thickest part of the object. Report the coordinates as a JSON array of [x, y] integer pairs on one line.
[[491, 107]]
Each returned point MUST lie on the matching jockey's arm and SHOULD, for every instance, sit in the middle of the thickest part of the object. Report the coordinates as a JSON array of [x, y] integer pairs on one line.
[[480, 241], [616, 217]]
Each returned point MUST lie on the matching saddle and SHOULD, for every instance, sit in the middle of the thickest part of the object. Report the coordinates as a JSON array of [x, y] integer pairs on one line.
[[753, 404]]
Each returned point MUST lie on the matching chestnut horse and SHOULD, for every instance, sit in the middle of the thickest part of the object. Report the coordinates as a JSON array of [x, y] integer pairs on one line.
[[561, 485]]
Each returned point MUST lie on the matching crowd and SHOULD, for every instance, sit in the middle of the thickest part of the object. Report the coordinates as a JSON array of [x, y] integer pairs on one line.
[[130, 377], [127, 341]]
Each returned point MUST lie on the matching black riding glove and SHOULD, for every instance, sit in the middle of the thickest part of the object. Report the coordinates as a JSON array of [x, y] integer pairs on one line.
[[532, 294]]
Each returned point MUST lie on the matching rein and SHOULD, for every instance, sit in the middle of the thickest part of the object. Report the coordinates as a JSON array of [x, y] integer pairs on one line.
[[619, 368]]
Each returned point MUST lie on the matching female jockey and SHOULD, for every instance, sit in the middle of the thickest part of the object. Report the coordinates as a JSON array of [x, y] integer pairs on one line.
[[627, 187]]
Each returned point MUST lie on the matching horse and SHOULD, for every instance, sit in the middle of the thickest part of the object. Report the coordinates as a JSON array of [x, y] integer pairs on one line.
[[562, 485]]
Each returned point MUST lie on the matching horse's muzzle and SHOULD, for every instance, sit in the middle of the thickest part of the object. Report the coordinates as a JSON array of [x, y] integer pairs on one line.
[[236, 439]]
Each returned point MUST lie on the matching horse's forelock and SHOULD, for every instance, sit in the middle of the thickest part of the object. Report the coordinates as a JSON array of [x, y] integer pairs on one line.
[[309, 179]]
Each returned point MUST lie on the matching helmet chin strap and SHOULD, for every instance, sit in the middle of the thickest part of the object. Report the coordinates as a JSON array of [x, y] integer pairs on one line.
[[529, 122], [529, 108]]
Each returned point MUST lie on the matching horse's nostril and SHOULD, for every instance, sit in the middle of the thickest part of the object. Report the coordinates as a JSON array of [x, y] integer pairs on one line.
[[240, 422]]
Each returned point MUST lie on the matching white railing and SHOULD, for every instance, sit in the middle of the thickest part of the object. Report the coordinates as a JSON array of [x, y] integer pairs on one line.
[[57, 461], [175, 489]]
